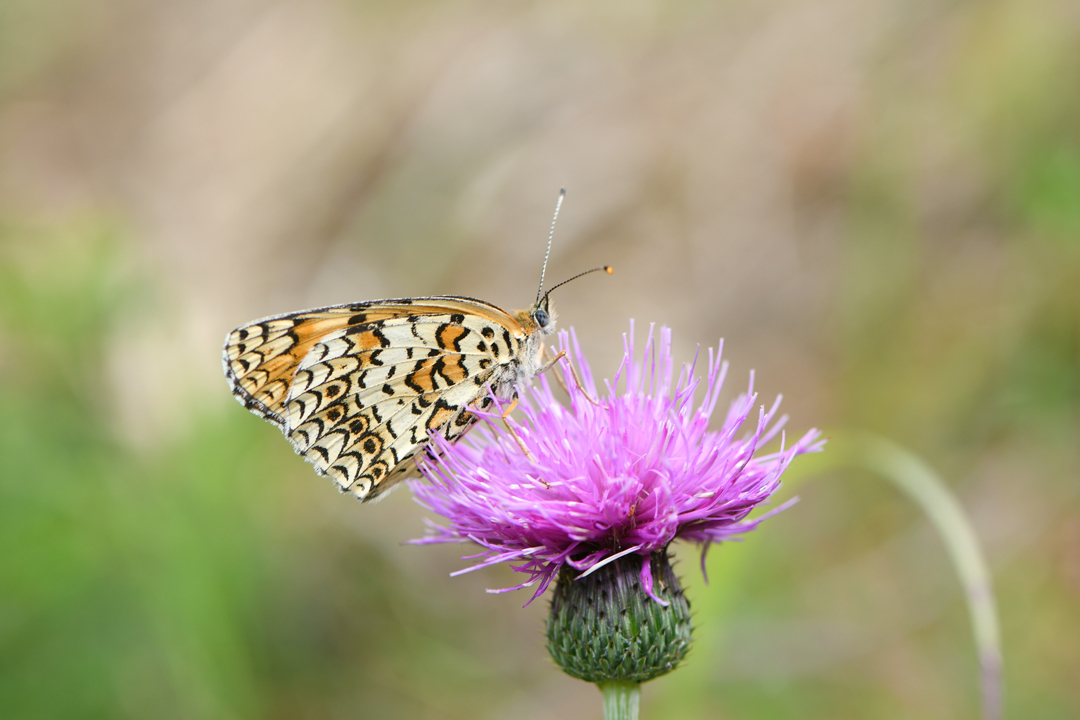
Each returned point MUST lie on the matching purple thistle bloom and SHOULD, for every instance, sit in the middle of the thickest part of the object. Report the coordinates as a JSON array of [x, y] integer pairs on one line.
[[602, 481]]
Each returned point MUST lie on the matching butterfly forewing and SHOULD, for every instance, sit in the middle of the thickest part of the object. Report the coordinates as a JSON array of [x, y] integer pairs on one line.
[[359, 388]]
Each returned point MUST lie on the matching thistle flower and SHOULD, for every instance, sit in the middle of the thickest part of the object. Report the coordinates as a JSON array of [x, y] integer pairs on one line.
[[600, 481]]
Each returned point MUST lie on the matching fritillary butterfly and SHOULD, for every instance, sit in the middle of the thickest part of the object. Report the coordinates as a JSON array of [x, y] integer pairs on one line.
[[359, 389]]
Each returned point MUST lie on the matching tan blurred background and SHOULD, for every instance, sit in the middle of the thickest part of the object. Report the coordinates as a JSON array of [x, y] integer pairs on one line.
[[876, 203]]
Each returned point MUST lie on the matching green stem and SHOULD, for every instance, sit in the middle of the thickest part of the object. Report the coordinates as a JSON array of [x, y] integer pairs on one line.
[[621, 700], [934, 498]]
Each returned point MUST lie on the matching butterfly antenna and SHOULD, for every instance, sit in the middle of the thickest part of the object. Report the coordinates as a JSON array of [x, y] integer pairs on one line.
[[606, 268], [551, 235]]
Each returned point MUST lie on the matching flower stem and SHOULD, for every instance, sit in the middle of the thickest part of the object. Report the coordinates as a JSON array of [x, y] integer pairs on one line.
[[922, 485], [620, 699]]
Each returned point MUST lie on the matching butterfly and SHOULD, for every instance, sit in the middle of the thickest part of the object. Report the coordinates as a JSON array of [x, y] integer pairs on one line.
[[359, 389]]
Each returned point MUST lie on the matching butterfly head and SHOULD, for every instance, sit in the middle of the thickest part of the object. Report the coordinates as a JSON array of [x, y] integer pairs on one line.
[[544, 316]]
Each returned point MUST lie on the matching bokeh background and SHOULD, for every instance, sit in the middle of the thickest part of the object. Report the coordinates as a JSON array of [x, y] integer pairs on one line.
[[875, 202]]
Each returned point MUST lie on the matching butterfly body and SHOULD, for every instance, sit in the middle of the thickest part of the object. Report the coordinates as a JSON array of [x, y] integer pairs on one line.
[[359, 388]]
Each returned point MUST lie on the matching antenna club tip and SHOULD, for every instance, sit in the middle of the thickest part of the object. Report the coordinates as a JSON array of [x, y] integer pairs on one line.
[[562, 191], [609, 270]]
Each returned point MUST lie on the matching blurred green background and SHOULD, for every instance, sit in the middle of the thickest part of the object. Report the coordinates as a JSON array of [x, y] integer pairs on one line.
[[876, 203]]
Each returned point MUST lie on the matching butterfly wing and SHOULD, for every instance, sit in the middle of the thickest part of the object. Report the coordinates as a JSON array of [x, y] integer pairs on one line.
[[359, 388]]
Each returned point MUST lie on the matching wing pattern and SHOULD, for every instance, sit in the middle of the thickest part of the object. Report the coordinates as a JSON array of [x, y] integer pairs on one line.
[[358, 389]]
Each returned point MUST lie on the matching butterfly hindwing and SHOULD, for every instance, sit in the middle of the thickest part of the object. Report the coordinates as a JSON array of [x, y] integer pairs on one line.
[[359, 388], [358, 425]]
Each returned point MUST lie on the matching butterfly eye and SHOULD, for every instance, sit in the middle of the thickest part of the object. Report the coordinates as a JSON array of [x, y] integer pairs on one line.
[[541, 317]]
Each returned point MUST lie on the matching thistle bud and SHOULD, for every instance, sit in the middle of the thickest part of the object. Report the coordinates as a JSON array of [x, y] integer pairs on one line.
[[607, 626]]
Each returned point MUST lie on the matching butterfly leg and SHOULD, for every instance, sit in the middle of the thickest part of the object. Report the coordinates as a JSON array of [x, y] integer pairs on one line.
[[510, 429], [573, 371], [551, 363], [558, 377]]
